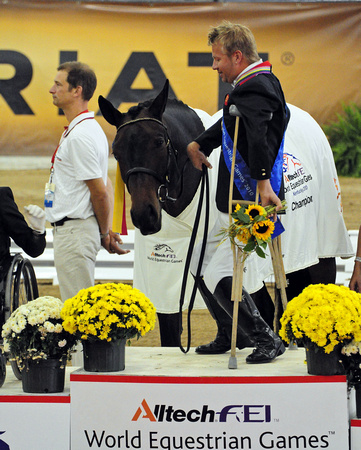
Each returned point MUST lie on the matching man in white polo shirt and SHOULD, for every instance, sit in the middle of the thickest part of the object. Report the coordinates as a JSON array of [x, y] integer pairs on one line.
[[78, 196]]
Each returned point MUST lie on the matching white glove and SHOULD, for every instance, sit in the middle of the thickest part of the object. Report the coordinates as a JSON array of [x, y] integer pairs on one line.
[[35, 217]]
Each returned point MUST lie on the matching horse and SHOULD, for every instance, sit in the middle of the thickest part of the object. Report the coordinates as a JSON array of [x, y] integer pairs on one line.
[[150, 147]]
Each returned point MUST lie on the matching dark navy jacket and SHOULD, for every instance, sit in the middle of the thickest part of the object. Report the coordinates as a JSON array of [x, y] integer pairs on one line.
[[13, 225], [263, 121]]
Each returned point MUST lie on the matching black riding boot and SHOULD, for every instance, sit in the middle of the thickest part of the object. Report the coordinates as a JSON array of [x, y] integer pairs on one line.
[[268, 344], [222, 341], [265, 305]]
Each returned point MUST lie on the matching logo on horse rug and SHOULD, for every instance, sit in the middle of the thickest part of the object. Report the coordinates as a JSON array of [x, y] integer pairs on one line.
[[164, 253]]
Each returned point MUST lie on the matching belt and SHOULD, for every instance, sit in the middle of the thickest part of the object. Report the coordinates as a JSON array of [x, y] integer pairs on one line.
[[61, 222]]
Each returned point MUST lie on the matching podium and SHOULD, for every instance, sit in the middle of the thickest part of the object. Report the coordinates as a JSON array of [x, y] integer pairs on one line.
[[167, 400]]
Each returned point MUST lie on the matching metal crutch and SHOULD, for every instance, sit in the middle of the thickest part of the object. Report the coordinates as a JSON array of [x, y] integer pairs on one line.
[[238, 258]]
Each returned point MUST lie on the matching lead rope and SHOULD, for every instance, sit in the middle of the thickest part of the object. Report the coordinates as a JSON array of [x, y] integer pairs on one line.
[[204, 186]]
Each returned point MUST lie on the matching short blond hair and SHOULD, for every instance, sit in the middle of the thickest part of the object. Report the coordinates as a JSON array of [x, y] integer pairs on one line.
[[234, 37]]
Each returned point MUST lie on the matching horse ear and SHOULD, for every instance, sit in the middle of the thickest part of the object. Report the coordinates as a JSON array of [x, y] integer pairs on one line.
[[159, 103], [110, 114]]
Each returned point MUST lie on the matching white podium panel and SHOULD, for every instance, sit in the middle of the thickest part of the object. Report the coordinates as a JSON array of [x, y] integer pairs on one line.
[[34, 422], [150, 406], [356, 434]]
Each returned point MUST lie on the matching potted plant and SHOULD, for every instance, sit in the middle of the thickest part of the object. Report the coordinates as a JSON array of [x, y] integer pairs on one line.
[[104, 317], [323, 318], [35, 337]]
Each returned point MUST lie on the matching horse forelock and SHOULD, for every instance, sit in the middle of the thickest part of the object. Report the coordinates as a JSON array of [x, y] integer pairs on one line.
[[134, 111]]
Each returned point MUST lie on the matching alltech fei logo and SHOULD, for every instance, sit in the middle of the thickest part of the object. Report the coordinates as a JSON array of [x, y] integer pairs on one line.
[[167, 413], [164, 253]]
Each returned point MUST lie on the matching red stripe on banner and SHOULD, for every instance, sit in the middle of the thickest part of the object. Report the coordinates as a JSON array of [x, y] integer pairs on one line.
[[205, 380], [356, 423], [34, 399]]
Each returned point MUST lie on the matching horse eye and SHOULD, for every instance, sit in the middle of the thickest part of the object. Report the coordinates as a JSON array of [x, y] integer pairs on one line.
[[159, 142]]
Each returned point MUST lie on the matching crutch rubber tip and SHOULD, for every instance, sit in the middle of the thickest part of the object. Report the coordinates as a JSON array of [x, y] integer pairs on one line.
[[232, 363]]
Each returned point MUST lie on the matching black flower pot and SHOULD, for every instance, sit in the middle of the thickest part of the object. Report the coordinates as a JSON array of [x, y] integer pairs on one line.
[[103, 356], [321, 363], [44, 376]]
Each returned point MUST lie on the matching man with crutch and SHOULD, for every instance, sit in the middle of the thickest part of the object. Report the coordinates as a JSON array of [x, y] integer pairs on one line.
[[262, 111]]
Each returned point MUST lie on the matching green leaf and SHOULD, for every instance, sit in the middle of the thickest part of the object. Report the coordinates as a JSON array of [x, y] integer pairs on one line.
[[250, 246], [260, 252], [244, 218]]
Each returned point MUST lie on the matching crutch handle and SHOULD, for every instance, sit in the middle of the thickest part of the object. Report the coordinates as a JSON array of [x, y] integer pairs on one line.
[[234, 111]]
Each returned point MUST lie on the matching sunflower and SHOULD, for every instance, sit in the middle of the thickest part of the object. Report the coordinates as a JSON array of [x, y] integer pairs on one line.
[[263, 230], [255, 210], [243, 234]]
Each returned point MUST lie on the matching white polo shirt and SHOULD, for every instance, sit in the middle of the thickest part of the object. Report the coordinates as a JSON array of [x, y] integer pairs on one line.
[[82, 154]]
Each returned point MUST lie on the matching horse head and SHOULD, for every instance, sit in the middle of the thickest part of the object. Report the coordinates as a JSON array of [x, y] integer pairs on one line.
[[146, 158]]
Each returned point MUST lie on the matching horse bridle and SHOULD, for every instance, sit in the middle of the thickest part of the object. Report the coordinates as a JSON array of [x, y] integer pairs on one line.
[[164, 180]]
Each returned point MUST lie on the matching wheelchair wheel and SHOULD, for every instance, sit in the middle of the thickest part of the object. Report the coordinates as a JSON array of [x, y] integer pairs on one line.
[[20, 287]]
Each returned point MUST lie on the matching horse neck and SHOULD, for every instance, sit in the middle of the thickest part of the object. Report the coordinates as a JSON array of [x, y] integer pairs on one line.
[[184, 186], [183, 126]]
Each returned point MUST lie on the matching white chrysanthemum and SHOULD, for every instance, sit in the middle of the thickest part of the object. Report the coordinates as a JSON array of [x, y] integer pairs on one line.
[[17, 329], [6, 329], [353, 349], [62, 343], [22, 323], [12, 323], [32, 320], [58, 328], [49, 327], [41, 317]]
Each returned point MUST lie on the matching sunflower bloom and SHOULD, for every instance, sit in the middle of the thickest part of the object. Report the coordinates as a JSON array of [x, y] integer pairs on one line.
[[263, 230], [243, 234], [255, 210]]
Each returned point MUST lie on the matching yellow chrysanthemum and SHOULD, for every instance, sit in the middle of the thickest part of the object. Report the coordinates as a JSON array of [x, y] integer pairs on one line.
[[326, 315], [108, 311], [263, 230]]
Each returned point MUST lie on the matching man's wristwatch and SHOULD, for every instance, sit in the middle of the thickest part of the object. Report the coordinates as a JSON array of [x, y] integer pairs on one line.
[[104, 235]]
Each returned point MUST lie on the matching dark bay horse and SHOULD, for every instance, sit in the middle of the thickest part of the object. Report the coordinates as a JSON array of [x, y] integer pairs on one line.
[[151, 149]]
